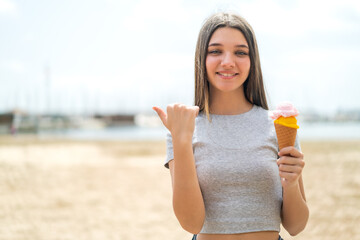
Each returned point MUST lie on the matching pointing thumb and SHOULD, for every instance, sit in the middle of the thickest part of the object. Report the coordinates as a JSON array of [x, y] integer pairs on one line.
[[162, 115]]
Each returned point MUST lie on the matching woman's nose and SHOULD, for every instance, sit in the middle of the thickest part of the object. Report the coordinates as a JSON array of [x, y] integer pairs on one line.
[[228, 61]]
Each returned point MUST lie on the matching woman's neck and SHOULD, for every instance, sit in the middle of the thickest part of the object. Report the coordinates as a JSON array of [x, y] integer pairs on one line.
[[229, 103]]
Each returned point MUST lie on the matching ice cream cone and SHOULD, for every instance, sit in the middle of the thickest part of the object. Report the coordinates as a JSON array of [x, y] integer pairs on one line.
[[286, 135], [285, 124]]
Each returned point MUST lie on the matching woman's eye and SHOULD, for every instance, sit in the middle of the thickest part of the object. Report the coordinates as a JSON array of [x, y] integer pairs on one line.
[[214, 52], [241, 53]]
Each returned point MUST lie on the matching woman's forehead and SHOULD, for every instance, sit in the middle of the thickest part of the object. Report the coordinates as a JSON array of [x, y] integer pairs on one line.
[[228, 36]]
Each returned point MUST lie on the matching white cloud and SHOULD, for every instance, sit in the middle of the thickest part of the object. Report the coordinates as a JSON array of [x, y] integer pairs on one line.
[[146, 14], [14, 66], [161, 67], [29, 37], [8, 7], [303, 17], [265, 16]]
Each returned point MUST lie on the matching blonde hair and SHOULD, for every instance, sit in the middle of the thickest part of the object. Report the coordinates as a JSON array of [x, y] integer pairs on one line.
[[253, 86]]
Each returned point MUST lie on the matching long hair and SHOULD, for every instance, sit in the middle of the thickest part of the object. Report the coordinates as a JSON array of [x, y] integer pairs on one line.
[[253, 86]]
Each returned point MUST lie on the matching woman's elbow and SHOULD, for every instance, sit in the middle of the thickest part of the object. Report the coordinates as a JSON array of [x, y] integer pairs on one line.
[[298, 228], [294, 232], [191, 220], [193, 225], [191, 228]]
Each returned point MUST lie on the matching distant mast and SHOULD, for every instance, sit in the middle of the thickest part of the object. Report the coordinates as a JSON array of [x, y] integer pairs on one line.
[[47, 89]]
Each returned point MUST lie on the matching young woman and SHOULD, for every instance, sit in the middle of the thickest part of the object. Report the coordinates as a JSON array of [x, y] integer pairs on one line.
[[229, 179]]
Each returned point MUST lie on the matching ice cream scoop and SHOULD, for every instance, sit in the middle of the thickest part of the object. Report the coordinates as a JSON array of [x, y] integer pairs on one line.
[[285, 124]]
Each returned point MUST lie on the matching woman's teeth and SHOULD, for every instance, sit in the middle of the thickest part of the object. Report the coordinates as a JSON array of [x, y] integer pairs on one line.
[[227, 74]]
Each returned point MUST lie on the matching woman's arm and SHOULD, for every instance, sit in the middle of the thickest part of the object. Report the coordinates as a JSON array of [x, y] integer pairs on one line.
[[188, 202], [295, 212]]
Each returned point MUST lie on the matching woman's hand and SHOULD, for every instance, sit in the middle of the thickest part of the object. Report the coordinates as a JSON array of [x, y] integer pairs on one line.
[[291, 164], [294, 213], [179, 120]]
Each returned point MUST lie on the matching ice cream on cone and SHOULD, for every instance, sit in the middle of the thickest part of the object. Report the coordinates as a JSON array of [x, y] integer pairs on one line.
[[285, 124]]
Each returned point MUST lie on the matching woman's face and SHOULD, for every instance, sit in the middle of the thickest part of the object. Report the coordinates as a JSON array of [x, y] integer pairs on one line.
[[227, 60]]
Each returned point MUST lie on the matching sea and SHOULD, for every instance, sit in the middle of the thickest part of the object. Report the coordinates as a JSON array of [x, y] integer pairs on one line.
[[316, 131]]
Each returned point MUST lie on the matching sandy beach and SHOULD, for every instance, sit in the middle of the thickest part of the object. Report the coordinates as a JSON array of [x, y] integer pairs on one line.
[[119, 190]]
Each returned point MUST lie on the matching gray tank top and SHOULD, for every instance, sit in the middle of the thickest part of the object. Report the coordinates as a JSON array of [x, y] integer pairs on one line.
[[235, 158]]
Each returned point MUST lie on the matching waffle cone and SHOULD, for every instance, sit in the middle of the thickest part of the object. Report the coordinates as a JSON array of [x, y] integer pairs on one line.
[[286, 136]]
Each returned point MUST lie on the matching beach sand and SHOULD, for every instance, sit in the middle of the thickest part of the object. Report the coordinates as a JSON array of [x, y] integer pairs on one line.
[[62, 189]]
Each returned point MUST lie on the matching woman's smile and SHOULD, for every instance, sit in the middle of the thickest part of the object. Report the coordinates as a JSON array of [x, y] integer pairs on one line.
[[226, 75]]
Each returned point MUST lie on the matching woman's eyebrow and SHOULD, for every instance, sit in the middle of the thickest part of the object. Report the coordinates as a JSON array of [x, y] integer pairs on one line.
[[215, 44], [242, 46], [219, 44]]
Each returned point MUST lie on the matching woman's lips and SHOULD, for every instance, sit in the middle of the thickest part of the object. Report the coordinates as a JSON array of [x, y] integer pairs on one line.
[[226, 75]]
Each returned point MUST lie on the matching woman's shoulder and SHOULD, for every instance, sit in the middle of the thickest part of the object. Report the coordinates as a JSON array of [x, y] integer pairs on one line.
[[260, 113]]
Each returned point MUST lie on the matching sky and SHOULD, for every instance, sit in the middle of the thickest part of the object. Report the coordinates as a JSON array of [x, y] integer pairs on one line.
[[108, 56]]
